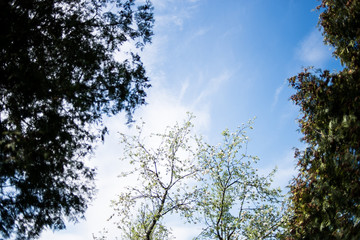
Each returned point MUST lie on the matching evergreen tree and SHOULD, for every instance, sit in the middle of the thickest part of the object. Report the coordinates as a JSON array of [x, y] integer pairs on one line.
[[326, 193], [59, 77]]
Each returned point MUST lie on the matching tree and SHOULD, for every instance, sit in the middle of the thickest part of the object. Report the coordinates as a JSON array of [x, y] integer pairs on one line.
[[236, 202], [59, 76], [326, 194], [164, 175], [340, 24]]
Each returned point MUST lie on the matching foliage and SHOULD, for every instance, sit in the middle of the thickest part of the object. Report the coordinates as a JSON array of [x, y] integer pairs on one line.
[[340, 21], [164, 173], [58, 77], [326, 193], [236, 202]]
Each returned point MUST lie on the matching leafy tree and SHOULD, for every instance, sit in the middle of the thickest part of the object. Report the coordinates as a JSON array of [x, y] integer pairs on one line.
[[164, 176], [236, 202], [326, 193], [59, 76], [340, 22]]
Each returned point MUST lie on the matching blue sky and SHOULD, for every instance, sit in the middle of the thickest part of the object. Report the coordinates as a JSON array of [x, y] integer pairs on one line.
[[227, 62]]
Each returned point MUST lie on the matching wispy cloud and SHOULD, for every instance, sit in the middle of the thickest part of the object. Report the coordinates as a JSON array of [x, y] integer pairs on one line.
[[184, 88], [195, 35], [211, 87], [177, 11], [312, 51], [277, 94]]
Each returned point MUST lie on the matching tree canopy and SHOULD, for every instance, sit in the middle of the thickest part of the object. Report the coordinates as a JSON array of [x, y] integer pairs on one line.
[[326, 193], [164, 174], [235, 201], [59, 76], [215, 186]]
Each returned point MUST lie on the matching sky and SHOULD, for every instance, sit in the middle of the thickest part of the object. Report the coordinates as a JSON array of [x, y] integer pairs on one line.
[[226, 62]]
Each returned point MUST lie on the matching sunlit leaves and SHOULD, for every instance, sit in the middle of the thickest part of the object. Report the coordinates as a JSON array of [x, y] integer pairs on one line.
[[164, 174], [216, 186], [236, 202]]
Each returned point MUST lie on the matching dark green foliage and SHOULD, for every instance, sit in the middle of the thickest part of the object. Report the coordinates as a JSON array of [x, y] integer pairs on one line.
[[326, 193], [340, 22], [58, 77]]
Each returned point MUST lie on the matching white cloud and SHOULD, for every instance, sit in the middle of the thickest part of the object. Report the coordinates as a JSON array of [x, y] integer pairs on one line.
[[162, 4], [184, 88], [177, 11], [312, 50], [277, 94], [170, 20], [201, 32], [211, 87]]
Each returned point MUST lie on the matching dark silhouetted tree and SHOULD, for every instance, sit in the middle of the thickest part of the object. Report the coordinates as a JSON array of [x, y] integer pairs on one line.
[[59, 76]]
